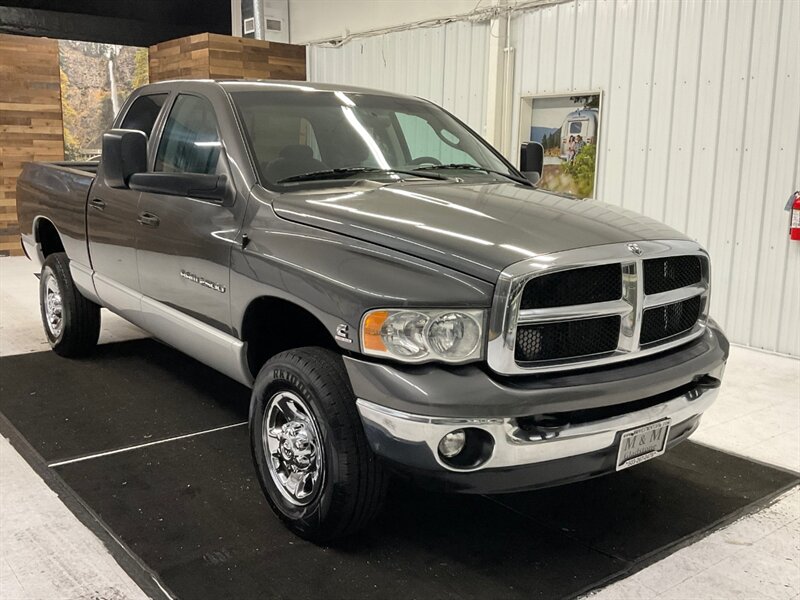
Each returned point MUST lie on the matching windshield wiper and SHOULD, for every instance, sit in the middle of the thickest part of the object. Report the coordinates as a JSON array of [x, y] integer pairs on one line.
[[344, 172], [469, 167]]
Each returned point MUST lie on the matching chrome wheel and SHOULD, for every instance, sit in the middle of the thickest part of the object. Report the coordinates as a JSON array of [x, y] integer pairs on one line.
[[53, 306], [293, 447]]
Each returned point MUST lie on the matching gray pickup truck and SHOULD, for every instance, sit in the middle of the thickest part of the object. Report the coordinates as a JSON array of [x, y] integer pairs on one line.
[[400, 298]]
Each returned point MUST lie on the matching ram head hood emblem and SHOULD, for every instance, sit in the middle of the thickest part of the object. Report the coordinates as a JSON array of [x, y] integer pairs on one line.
[[635, 249]]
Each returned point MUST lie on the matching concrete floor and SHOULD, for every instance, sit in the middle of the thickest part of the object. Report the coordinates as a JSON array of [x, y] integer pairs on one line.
[[46, 553]]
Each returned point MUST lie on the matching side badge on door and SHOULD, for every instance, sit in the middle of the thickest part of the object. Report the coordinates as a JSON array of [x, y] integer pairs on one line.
[[202, 281], [343, 333]]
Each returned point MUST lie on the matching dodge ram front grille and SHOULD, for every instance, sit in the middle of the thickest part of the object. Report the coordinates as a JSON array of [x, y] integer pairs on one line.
[[597, 305], [576, 286], [550, 341], [663, 322], [671, 273]]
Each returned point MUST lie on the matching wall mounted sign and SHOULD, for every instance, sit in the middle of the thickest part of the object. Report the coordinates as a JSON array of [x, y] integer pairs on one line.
[[96, 79], [568, 127]]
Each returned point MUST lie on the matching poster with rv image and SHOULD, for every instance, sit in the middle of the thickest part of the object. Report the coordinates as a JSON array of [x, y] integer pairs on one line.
[[567, 127], [96, 79]]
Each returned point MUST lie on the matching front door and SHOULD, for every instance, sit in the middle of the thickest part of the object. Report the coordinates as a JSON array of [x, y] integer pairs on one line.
[[184, 244]]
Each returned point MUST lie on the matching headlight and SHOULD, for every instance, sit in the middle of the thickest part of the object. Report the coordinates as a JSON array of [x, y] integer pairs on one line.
[[421, 335]]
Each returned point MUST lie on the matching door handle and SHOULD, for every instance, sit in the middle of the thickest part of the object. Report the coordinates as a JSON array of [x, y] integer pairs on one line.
[[97, 203], [148, 219]]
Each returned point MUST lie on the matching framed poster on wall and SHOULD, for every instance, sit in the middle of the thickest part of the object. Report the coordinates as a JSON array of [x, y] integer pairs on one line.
[[568, 126], [96, 79]]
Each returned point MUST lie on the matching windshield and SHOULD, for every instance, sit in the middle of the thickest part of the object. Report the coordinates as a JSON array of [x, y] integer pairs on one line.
[[312, 136]]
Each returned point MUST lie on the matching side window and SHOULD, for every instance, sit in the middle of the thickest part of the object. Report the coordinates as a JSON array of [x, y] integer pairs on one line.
[[422, 140], [190, 142], [143, 113]]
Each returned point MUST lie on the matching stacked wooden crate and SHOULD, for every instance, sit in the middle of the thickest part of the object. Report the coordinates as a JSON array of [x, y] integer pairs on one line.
[[30, 120], [213, 56]]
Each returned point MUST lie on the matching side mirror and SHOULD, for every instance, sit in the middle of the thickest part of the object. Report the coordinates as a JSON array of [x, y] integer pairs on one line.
[[187, 185], [531, 161], [124, 153]]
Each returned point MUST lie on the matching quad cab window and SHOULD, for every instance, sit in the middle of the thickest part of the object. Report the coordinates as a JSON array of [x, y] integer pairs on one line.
[[143, 113], [190, 142]]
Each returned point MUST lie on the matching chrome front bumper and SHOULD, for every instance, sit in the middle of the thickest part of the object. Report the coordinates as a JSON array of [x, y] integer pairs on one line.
[[412, 440]]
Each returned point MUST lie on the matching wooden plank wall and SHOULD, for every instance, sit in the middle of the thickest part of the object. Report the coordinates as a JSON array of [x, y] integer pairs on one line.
[[184, 58], [213, 56], [242, 58], [31, 125], [30, 120]]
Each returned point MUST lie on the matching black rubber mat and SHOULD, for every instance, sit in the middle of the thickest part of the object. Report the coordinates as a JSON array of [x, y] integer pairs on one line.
[[125, 394], [193, 510]]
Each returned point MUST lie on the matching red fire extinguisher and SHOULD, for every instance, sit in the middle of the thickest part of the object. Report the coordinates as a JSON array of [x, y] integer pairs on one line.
[[794, 225]]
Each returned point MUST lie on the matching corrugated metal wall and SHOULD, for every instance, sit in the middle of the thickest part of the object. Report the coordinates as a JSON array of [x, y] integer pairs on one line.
[[444, 64], [700, 123], [700, 129]]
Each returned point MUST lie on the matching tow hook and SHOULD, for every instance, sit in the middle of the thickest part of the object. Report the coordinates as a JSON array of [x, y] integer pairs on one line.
[[702, 385], [544, 427]]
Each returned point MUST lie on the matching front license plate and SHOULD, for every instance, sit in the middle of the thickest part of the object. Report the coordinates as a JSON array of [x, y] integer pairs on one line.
[[642, 443]]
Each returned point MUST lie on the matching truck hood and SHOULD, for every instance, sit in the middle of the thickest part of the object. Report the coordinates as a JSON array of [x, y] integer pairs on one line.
[[478, 229]]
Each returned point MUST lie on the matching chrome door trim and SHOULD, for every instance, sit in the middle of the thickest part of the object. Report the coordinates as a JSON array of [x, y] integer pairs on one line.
[[124, 301], [505, 315], [199, 340], [82, 277]]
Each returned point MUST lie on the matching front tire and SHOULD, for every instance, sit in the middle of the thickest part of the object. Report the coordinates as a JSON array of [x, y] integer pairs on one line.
[[71, 321], [313, 460]]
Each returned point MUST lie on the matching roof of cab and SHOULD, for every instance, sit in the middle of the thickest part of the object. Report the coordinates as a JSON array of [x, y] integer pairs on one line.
[[267, 85], [251, 85]]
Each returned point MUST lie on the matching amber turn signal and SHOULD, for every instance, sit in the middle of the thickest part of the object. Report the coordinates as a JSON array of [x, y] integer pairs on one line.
[[371, 330]]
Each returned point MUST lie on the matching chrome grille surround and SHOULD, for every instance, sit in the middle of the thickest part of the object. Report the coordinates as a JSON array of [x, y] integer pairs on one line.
[[505, 314]]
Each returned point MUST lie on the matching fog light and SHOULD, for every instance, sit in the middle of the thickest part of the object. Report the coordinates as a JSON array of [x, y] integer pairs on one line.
[[452, 443]]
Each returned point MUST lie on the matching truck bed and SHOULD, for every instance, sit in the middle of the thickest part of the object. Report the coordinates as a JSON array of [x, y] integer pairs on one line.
[[57, 191], [89, 167]]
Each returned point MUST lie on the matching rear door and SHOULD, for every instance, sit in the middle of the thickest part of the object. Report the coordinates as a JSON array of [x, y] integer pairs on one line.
[[111, 222], [184, 244]]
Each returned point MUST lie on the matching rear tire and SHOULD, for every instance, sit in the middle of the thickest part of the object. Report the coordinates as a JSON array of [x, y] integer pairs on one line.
[[71, 321], [312, 457]]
